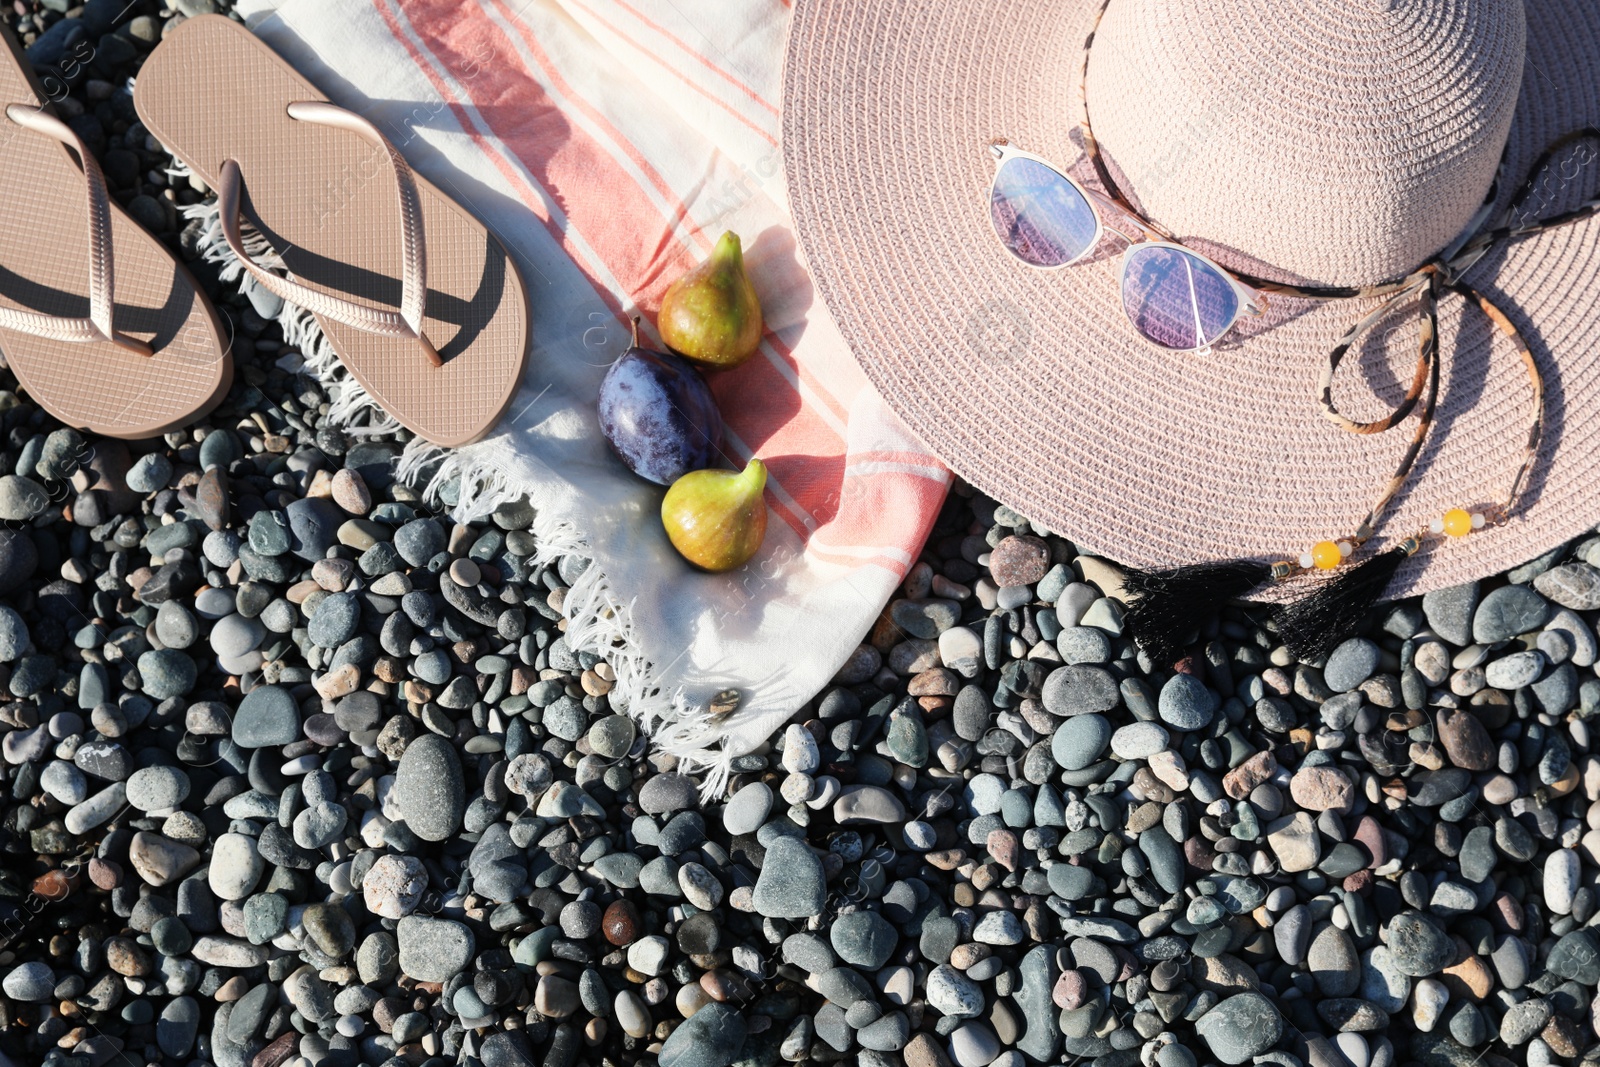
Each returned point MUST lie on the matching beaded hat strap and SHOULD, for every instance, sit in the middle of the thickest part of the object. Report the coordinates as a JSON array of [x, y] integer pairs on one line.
[[1166, 606], [1425, 287]]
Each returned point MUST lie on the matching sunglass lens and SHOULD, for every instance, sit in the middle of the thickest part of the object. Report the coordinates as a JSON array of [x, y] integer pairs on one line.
[[1039, 215], [1176, 299]]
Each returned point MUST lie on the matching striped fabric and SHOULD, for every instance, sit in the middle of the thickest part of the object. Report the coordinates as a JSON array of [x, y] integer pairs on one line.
[[609, 143]]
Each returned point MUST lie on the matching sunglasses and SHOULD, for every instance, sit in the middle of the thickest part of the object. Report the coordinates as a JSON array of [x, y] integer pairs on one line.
[[1174, 297]]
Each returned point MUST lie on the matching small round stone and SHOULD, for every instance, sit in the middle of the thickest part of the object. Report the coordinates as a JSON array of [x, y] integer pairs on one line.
[[1019, 560], [1507, 612], [171, 937], [234, 635], [612, 737], [791, 884], [464, 572], [1418, 943], [620, 923], [1138, 740], [157, 788], [747, 809], [236, 866], [1080, 740], [21, 499], [419, 541], [529, 775], [150, 472], [800, 755], [393, 886], [863, 939], [176, 625], [974, 1045], [268, 716], [429, 789], [1349, 664], [167, 673], [350, 492], [1186, 703], [1333, 963], [14, 637], [580, 919], [433, 950], [1240, 1026], [335, 620]]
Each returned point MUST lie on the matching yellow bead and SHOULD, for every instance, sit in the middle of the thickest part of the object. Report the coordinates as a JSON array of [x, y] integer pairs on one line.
[[1457, 523], [1326, 555]]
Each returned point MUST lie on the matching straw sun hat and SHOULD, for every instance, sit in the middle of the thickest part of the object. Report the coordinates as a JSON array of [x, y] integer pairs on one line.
[[1331, 144]]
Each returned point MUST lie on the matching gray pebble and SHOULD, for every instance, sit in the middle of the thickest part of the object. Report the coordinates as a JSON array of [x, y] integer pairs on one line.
[[268, 716], [157, 788], [1572, 585], [1186, 703], [1507, 612], [711, 1037], [747, 809], [1079, 689], [29, 982], [14, 638], [863, 939], [1350, 664], [429, 789], [1450, 612], [1419, 944], [1080, 740], [234, 635], [1241, 1026], [433, 950], [334, 621]]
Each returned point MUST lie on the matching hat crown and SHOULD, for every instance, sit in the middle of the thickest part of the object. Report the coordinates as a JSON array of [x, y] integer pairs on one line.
[[1334, 142]]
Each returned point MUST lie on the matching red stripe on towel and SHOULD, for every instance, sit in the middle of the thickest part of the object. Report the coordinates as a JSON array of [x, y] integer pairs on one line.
[[874, 507], [610, 211], [548, 66], [760, 130], [449, 28], [695, 53], [604, 205], [534, 197]]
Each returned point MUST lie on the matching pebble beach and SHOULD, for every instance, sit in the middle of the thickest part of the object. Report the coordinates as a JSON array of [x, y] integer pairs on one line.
[[298, 770]]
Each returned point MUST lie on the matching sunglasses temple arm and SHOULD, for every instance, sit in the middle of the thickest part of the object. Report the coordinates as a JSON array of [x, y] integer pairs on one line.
[[1111, 210], [1255, 300]]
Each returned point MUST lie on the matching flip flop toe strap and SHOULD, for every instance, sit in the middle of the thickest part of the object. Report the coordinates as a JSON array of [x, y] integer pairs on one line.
[[407, 322], [102, 285]]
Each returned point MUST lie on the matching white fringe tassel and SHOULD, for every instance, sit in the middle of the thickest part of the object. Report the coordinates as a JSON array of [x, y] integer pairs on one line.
[[598, 620]]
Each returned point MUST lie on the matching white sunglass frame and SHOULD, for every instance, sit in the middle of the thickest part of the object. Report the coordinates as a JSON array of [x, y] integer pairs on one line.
[[1252, 302]]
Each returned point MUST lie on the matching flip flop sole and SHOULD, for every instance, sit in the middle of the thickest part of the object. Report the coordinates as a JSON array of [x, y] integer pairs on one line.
[[44, 267], [326, 202]]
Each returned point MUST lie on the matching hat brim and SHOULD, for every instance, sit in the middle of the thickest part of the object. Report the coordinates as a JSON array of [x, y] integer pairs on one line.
[[1034, 388]]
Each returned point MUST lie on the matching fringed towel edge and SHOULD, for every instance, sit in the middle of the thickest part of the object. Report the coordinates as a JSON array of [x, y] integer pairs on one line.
[[598, 620]]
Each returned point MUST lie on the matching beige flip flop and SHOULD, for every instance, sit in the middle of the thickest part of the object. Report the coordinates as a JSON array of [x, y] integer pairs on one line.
[[100, 324], [419, 300]]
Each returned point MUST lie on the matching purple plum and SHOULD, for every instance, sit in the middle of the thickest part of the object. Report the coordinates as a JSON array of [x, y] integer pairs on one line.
[[659, 416]]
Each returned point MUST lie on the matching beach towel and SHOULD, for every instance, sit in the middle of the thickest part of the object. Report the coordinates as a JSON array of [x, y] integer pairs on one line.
[[609, 143]]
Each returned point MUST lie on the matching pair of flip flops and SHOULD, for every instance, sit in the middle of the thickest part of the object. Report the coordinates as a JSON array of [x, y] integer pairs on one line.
[[109, 333]]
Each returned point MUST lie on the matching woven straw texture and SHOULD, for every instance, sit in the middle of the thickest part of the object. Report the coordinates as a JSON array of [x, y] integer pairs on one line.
[[44, 267], [1382, 123], [1034, 387], [326, 202]]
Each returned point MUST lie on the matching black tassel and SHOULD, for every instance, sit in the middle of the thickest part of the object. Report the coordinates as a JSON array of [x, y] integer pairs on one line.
[[1314, 625], [1166, 609]]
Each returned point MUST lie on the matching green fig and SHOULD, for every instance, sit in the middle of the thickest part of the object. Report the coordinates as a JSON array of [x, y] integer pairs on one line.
[[711, 314], [717, 519]]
